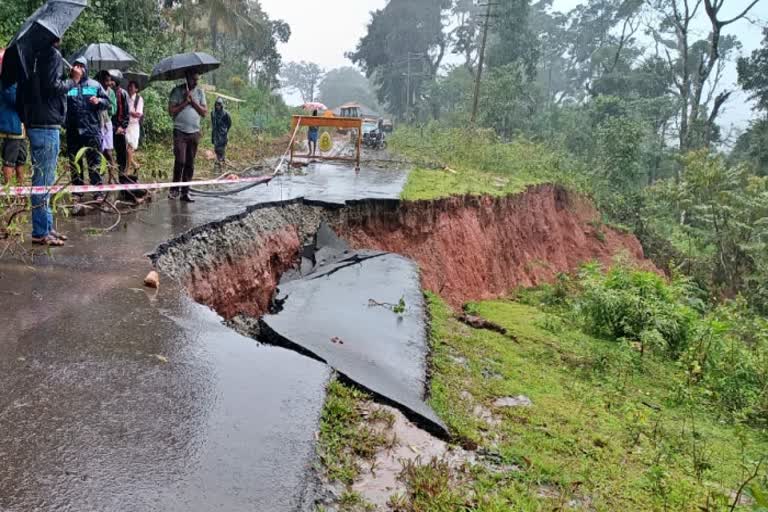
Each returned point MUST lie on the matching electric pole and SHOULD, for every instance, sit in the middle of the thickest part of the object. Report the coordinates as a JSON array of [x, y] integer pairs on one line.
[[481, 63], [408, 92], [408, 76]]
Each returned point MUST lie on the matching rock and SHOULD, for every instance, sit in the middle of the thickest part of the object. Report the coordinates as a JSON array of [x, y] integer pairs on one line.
[[513, 401], [152, 280]]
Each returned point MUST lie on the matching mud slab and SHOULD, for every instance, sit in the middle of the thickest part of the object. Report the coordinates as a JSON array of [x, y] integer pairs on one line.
[[328, 315]]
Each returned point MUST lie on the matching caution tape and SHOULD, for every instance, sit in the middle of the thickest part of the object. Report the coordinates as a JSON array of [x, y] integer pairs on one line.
[[82, 189]]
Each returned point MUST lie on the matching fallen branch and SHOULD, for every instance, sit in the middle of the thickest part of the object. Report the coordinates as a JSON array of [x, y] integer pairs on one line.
[[745, 483], [477, 322]]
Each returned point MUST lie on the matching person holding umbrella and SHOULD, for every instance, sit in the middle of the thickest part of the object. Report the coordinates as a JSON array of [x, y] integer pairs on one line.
[[42, 106], [187, 106], [85, 102], [37, 66]]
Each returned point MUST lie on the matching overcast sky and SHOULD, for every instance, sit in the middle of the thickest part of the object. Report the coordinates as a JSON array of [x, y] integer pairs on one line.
[[325, 39]]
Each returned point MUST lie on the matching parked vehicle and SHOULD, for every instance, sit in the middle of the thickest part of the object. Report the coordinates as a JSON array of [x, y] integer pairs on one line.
[[373, 138]]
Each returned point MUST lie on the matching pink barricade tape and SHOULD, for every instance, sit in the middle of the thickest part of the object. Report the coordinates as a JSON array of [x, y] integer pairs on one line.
[[80, 189]]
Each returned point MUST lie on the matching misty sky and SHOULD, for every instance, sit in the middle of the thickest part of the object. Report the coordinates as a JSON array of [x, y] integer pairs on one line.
[[325, 38]]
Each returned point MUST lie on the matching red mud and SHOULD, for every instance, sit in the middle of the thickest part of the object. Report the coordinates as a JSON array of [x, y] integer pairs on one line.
[[245, 285], [477, 248]]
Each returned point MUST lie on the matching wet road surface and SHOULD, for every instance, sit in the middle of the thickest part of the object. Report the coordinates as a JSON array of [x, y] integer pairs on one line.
[[114, 397]]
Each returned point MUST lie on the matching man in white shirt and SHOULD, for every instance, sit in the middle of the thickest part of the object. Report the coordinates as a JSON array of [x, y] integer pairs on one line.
[[187, 107]]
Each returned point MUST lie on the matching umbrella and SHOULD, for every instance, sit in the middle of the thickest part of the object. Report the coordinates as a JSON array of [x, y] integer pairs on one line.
[[104, 56], [177, 66], [46, 25], [141, 79], [314, 105]]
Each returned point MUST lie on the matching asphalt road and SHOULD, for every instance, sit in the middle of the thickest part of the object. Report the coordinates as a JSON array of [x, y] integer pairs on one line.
[[116, 398]]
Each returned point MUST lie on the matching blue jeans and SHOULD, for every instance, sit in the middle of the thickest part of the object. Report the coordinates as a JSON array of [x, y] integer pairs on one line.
[[44, 144]]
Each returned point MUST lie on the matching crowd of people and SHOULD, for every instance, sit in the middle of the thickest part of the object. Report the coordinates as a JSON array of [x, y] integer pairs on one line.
[[101, 119]]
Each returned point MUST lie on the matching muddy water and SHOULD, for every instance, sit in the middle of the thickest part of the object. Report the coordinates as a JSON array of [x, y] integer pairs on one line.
[[112, 398]]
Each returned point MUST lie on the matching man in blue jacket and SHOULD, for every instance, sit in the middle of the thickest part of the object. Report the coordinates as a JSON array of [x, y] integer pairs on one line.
[[13, 149], [42, 106], [85, 101]]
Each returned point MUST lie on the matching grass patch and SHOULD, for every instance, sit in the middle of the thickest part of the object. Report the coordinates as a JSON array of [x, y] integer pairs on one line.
[[607, 430], [471, 161], [345, 438]]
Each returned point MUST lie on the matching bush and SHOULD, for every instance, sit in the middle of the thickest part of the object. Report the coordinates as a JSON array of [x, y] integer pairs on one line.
[[731, 357], [157, 125], [635, 305]]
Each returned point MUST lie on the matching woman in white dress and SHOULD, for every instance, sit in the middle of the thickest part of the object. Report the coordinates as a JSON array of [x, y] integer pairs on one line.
[[133, 133]]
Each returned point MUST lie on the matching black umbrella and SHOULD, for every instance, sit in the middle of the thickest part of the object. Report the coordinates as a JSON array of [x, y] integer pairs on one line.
[[45, 26], [141, 79], [104, 56], [177, 66]]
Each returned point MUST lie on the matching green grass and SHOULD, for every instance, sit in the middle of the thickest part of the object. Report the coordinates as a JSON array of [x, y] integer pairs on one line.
[[606, 430], [345, 439], [452, 162], [424, 184]]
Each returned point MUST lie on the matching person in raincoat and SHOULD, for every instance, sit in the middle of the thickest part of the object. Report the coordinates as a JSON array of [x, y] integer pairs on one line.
[[13, 148], [221, 123], [85, 102]]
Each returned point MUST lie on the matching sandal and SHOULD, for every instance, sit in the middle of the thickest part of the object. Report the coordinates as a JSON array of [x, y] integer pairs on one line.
[[49, 241], [56, 234]]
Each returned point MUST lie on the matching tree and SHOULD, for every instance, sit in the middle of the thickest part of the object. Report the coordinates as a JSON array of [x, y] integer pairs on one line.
[[238, 32], [512, 41], [753, 74], [695, 61], [752, 147], [302, 77], [403, 50], [346, 84]]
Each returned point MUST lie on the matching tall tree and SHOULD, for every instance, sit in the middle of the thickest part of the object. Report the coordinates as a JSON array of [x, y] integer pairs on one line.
[[697, 64], [302, 77], [512, 40], [403, 50], [346, 84], [753, 74]]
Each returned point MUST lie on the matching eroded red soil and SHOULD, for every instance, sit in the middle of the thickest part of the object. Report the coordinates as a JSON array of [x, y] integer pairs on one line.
[[245, 285], [475, 248]]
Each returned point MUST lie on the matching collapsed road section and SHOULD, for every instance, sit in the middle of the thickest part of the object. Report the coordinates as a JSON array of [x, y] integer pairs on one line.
[[269, 265]]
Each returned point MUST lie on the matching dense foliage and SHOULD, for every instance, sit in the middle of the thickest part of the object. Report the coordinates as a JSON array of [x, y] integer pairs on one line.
[[237, 32], [722, 349]]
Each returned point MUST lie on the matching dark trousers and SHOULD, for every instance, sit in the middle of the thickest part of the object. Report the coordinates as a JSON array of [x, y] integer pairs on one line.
[[221, 152], [121, 152], [184, 153], [91, 158]]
